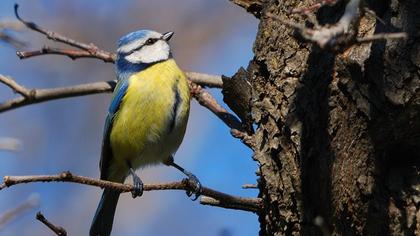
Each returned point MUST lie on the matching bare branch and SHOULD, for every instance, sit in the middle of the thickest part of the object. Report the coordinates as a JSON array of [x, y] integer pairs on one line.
[[73, 54], [252, 6], [382, 36], [91, 48], [314, 7], [244, 137], [17, 88], [11, 25], [32, 96], [6, 37], [92, 51], [246, 203], [205, 80], [42, 95], [58, 230], [13, 41], [214, 202], [341, 35], [325, 35], [31, 202], [205, 99], [249, 186]]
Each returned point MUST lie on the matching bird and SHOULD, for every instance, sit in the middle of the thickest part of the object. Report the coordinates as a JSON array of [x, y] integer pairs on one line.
[[146, 119]]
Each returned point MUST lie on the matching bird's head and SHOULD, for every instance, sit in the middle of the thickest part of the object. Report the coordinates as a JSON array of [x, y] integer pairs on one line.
[[144, 47]]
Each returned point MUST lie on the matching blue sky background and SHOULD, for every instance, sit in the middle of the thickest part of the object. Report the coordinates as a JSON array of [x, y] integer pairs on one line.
[[213, 37]]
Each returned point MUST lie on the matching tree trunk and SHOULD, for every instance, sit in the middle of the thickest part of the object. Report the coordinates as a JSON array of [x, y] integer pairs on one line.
[[338, 135]]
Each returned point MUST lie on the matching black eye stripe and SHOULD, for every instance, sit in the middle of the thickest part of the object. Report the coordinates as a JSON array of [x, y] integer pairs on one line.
[[150, 41]]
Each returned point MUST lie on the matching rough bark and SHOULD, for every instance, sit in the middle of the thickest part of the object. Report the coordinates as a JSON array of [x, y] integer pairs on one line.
[[338, 135]]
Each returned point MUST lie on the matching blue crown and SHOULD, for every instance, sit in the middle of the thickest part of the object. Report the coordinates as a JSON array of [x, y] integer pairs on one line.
[[133, 36]]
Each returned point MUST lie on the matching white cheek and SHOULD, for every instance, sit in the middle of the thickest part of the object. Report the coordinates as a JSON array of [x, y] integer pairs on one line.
[[148, 54]]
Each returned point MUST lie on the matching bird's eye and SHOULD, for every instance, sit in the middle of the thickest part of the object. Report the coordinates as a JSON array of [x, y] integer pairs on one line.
[[150, 41]]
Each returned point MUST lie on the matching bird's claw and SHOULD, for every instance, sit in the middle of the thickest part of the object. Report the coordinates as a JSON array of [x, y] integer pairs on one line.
[[194, 187], [138, 187]]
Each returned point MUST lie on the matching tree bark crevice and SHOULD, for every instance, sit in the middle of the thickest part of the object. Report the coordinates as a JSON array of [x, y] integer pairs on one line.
[[337, 135]]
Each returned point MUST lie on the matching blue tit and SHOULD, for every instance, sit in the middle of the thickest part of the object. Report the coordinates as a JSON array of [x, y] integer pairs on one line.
[[146, 120]]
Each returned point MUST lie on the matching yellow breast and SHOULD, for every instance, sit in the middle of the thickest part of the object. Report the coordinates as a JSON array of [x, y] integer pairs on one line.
[[151, 120]]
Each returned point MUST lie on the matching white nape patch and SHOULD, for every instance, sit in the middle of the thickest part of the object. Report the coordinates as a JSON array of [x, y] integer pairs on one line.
[[150, 53]]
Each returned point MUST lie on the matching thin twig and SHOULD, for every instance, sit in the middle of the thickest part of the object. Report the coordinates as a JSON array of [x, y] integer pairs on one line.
[[252, 6], [249, 186], [205, 80], [42, 95], [11, 25], [339, 36], [244, 137], [5, 36], [314, 7], [31, 202], [33, 96], [10, 39], [92, 48], [205, 99], [17, 88], [246, 203], [325, 35], [382, 36], [214, 202], [92, 51], [334, 36], [58, 230], [71, 53]]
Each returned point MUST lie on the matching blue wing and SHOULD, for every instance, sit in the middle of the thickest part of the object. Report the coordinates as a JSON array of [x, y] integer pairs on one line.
[[106, 155]]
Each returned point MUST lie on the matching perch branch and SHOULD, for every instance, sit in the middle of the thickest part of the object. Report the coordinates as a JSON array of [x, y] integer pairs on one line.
[[32, 96], [225, 199], [58, 230]]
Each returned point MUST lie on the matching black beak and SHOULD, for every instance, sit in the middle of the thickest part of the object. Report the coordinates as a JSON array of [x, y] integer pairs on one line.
[[168, 35]]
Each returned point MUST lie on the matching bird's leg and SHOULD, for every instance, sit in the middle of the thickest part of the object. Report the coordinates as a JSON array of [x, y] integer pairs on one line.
[[193, 180], [138, 184]]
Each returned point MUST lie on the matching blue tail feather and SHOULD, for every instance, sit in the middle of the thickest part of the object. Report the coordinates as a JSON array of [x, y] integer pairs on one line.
[[104, 216]]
